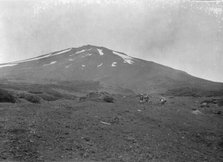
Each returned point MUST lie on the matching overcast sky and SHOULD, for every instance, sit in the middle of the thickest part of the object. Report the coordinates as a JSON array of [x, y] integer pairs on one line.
[[182, 34]]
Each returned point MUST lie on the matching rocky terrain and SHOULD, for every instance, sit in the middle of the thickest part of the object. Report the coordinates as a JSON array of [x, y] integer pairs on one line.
[[65, 125]]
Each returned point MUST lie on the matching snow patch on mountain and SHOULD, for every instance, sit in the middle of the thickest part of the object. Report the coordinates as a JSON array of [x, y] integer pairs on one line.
[[126, 58], [100, 65], [87, 54], [61, 52], [7, 65], [79, 51], [31, 59], [100, 52], [51, 63], [114, 64], [43, 56]]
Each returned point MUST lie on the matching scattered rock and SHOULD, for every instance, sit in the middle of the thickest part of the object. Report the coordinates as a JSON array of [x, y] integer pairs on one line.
[[218, 112], [197, 112], [105, 123], [204, 104], [131, 139], [85, 138], [214, 101], [82, 99], [108, 99], [115, 120]]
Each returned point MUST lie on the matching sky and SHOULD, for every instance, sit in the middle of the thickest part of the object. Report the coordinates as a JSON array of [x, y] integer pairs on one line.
[[182, 34]]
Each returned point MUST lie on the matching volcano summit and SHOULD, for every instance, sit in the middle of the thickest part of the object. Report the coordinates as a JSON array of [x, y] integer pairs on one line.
[[108, 67]]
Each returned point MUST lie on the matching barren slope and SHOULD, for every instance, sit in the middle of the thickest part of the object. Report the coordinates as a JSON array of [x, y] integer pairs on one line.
[[109, 67]]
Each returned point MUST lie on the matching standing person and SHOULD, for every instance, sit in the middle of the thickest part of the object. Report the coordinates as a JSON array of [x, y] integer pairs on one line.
[[141, 98], [147, 98]]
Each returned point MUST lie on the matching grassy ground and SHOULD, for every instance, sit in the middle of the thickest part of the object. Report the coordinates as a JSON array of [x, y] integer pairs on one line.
[[124, 131]]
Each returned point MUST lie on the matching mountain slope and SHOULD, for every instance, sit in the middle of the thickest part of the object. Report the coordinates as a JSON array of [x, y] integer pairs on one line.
[[110, 68]]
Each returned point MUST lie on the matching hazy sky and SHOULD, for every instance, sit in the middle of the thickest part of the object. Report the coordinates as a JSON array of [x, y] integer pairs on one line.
[[182, 34]]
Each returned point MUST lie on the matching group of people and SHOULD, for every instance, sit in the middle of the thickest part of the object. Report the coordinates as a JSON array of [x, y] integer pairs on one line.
[[145, 98]]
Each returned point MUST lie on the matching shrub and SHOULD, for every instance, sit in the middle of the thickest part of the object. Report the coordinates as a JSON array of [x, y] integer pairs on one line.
[[6, 96], [220, 102], [82, 99], [108, 99], [54, 93], [30, 97], [47, 97], [36, 92], [33, 99]]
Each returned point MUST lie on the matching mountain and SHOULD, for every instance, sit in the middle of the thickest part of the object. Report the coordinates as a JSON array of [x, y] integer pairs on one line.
[[112, 69]]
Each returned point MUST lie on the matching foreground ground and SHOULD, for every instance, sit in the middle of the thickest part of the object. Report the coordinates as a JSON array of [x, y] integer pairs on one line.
[[124, 131]]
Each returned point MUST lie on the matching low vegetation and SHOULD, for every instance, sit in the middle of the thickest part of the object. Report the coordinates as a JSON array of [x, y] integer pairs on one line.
[[194, 92], [6, 96], [29, 97], [98, 97], [48, 97], [108, 99]]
